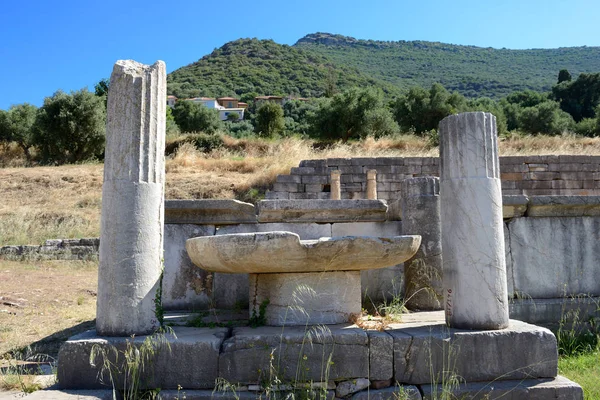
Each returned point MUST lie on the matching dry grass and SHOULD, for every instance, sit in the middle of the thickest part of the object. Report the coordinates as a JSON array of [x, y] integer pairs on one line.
[[64, 202], [44, 302]]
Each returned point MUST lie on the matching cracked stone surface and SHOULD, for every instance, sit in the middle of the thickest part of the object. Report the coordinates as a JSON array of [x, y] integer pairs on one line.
[[423, 285], [131, 226], [284, 252], [555, 257], [475, 286], [520, 351], [336, 351]]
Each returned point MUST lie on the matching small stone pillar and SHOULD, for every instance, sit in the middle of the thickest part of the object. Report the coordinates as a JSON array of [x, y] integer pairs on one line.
[[372, 184], [475, 293], [423, 286], [131, 232], [335, 186]]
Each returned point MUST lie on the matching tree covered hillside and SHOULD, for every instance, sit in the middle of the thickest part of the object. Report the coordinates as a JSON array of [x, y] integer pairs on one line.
[[473, 71], [254, 67]]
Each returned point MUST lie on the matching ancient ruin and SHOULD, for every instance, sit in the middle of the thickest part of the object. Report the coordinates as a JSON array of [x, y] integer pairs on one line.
[[416, 357]]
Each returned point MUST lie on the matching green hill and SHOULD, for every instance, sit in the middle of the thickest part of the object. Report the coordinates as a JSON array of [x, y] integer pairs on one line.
[[320, 61], [265, 68], [473, 71]]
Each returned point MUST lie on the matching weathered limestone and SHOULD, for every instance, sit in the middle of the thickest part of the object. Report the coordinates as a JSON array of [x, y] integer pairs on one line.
[[514, 206], [424, 351], [284, 252], [321, 210], [209, 212], [306, 298], [530, 389], [335, 185], [555, 257], [184, 285], [131, 239], [475, 288], [564, 206], [294, 351], [189, 357], [372, 184], [423, 286]]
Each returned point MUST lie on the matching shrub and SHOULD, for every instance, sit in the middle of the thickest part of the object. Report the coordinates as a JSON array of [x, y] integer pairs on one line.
[[70, 127]]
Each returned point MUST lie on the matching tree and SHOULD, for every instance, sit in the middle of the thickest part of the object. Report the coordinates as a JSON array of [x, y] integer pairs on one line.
[[580, 97], [16, 125], [546, 117], [101, 88], [195, 117], [421, 110], [297, 115], [564, 76], [171, 126], [353, 114], [269, 120], [70, 127]]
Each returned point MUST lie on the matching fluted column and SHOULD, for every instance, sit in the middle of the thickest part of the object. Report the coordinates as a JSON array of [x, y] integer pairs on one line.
[[475, 293], [131, 236]]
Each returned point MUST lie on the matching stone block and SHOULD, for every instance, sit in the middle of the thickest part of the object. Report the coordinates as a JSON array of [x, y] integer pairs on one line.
[[513, 168], [527, 185], [175, 360], [346, 388], [401, 392], [567, 185], [555, 257], [321, 210], [315, 179], [308, 298], [209, 212], [313, 188], [302, 171], [509, 185], [277, 195], [542, 176], [304, 196], [338, 352], [389, 161], [332, 162], [289, 178], [537, 167], [185, 286], [574, 176], [313, 163], [430, 170], [288, 187], [551, 313], [423, 351], [564, 206], [364, 161], [352, 169], [559, 388], [381, 355], [514, 206], [505, 160], [577, 159]]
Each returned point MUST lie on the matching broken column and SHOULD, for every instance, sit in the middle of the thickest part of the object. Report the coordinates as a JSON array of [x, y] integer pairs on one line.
[[421, 216], [335, 186], [372, 184], [131, 236], [475, 293]]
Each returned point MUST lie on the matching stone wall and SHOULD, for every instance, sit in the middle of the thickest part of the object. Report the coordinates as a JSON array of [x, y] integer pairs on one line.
[[54, 249], [530, 175]]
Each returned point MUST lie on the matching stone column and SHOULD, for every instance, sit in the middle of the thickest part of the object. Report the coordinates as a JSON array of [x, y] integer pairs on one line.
[[372, 184], [335, 186], [423, 286], [131, 232], [475, 293]]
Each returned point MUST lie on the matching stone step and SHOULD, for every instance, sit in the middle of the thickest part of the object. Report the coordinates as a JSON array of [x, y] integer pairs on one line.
[[414, 352], [559, 388]]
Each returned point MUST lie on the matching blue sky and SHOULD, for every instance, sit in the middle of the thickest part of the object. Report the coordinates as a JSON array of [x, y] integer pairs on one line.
[[64, 44]]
